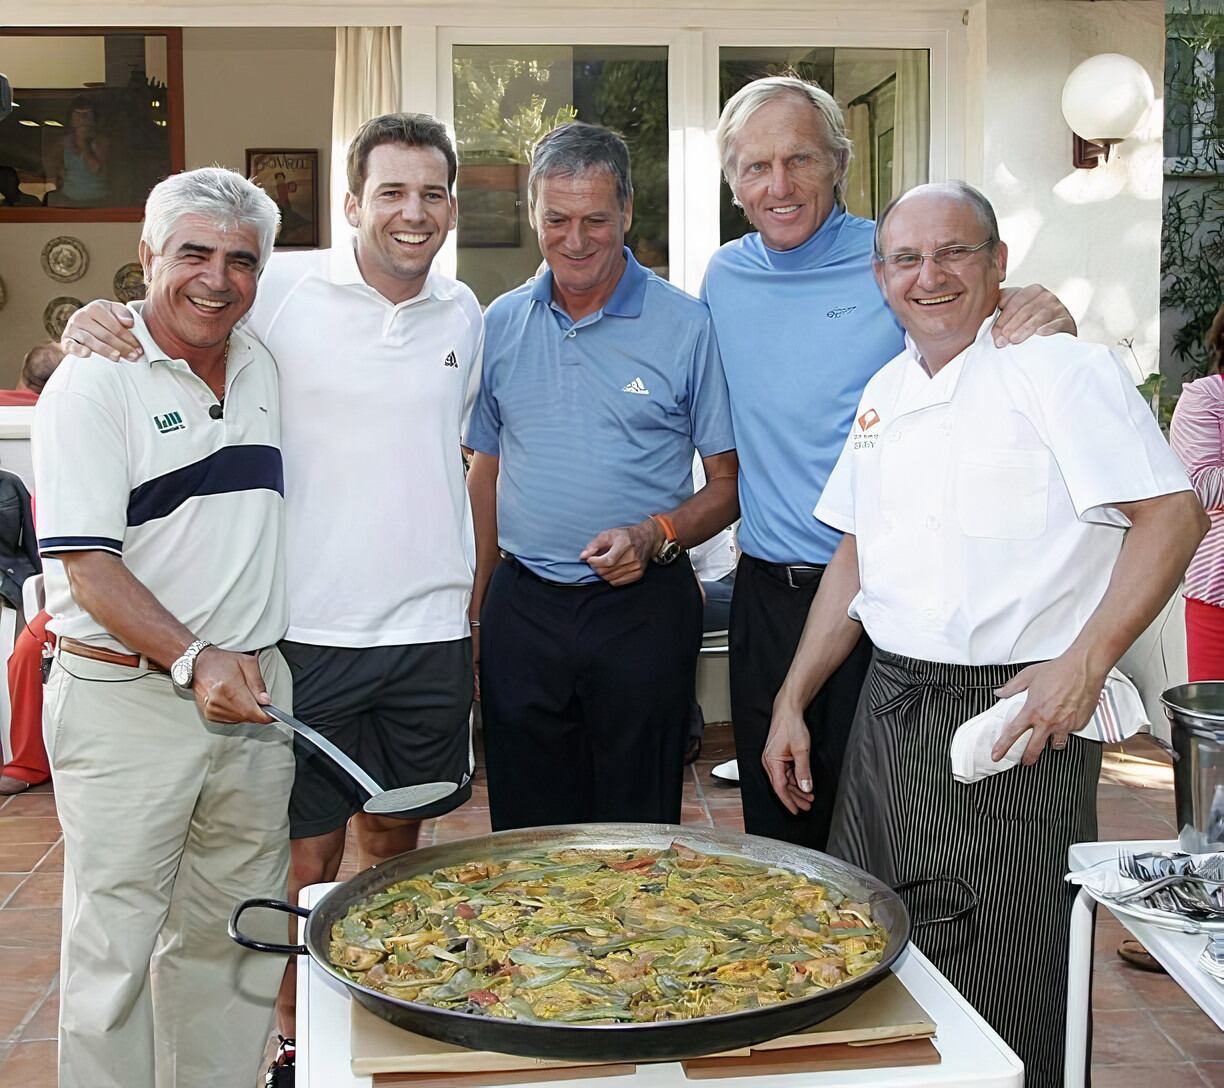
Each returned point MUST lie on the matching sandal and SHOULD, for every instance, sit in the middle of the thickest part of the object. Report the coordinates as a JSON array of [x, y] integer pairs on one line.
[[1133, 952]]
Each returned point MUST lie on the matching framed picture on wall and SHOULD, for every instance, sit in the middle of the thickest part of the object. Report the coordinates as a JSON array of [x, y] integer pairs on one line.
[[291, 178]]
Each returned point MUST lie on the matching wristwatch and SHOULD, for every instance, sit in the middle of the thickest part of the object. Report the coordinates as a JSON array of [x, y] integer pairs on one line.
[[182, 671], [669, 551]]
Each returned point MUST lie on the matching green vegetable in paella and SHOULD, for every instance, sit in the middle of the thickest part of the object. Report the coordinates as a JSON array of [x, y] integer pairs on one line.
[[599, 936]]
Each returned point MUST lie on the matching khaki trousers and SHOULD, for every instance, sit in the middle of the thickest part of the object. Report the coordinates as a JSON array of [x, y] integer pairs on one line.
[[168, 821]]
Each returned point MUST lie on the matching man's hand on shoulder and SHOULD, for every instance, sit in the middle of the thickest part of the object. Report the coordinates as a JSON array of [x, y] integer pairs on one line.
[[1030, 311], [620, 556], [102, 328], [229, 687]]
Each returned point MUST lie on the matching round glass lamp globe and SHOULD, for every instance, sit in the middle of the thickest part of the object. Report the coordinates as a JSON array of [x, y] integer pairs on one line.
[[1106, 97]]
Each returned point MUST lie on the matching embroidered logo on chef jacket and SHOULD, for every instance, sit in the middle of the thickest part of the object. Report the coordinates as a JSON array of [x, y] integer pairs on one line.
[[451, 360], [862, 437], [637, 386], [169, 421]]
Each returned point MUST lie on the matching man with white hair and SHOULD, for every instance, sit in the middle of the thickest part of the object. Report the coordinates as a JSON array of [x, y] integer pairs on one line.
[[1013, 520], [801, 326], [160, 513]]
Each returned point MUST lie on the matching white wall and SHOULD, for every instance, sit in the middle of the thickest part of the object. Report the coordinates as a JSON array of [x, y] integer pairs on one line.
[[1092, 236], [243, 87]]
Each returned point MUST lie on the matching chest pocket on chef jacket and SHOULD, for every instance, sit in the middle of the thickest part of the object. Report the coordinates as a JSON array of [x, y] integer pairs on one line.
[[1002, 493]]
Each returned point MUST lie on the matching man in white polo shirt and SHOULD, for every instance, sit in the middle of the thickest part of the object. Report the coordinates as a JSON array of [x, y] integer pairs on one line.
[[379, 356], [1013, 520], [161, 518]]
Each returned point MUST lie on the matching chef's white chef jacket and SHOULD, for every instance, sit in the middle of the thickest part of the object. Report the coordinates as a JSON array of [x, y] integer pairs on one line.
[[982, 498]]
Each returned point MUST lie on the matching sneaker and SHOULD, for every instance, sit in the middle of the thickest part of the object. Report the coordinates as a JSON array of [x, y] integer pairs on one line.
[[280, 1072]]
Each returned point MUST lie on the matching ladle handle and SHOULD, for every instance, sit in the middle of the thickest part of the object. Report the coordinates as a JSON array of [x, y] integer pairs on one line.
[[327, 748]]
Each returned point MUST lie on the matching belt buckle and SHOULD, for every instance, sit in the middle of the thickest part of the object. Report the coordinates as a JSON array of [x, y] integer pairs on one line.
[[790, 577]]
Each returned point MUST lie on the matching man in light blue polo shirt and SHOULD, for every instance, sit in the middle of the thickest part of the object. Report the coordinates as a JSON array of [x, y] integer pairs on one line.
[[600, 379], [802, 327]]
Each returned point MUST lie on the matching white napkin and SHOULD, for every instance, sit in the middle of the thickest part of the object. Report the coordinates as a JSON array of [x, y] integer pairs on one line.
[[1104, 877], [1119, 714]]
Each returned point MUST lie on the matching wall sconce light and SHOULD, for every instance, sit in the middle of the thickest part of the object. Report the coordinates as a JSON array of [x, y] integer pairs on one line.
[[1104, 100]]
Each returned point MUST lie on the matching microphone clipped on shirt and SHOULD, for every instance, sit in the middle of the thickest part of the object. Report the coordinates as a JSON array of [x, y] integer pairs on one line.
[[216, 411]]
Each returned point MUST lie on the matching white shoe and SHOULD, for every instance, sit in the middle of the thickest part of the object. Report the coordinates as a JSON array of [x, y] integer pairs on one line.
[[728, 772]]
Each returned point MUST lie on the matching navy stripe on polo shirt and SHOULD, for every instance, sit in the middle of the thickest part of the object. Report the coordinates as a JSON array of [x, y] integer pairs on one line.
[[595, 421], [133, 460], [49, 545], [230, 469]]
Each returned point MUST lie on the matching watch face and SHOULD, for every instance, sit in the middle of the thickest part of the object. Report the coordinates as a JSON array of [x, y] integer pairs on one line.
[[180, 673]]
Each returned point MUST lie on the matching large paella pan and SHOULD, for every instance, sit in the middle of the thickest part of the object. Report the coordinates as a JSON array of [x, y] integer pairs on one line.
[[599, 1040]]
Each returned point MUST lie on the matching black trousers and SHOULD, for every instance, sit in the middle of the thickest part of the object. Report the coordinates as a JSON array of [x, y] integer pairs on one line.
[[585, 696], [767, 618]]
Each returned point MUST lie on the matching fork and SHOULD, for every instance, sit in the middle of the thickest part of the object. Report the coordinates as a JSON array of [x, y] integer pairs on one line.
[[1150, 887]]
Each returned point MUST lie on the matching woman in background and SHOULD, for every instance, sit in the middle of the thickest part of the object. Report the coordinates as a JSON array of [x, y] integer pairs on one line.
[[1197, 437]]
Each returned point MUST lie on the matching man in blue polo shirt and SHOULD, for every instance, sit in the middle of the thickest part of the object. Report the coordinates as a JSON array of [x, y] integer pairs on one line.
[[600, 379], [802, 326]]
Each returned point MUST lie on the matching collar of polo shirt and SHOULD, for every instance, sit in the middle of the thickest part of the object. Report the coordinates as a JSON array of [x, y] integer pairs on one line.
[[342, 269], [237, 355], [625, 301]]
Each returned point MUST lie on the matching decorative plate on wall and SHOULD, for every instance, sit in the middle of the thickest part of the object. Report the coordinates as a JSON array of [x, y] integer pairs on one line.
[[57, 313], [65, 259], [129, 282]]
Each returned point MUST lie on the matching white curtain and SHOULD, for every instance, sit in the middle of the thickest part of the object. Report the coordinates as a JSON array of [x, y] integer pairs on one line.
[[858, 183], [912, 128], [369, 81]]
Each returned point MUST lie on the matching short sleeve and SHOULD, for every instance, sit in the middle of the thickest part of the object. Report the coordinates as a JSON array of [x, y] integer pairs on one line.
[[81, 476], [836, 504], [1105, 439], [476, 370], [709, 404], [484, 425]]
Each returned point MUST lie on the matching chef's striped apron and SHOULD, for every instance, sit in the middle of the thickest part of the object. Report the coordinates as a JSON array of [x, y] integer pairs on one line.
[[902, 816]]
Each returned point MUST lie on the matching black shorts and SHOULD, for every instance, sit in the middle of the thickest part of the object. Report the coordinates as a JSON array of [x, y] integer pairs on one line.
[[402, 712]]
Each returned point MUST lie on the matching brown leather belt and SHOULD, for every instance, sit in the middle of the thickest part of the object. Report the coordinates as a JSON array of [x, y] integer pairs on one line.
[[78, 648]]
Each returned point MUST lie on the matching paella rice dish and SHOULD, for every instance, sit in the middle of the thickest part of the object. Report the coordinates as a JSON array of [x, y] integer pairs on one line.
[[584, 936]]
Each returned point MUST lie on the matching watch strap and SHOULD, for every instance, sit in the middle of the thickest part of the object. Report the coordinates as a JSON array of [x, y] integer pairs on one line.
[[670, 536]]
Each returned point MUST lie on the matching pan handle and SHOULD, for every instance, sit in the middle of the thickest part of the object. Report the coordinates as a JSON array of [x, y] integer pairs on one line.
[[954, 881], [262, 946]]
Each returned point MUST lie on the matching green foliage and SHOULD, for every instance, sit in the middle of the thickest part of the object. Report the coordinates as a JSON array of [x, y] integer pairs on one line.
[[502, 109], [1192, 239]]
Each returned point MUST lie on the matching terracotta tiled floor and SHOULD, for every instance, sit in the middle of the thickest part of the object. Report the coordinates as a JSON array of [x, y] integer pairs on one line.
[[1148, 1034]]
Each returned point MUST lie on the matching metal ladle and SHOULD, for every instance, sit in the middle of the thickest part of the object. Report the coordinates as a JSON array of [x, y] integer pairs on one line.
[[382, 802]]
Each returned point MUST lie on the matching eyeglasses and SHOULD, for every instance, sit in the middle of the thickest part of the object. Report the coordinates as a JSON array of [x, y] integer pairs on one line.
[[947, 257]]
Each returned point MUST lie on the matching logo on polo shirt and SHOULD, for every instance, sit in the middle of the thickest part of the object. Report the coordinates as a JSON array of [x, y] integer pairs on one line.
[[450, 360], [169, 421], [840, 311], [637, 386]]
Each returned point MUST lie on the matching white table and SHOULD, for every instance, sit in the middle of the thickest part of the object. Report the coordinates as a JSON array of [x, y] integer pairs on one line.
[[1177, 953], [972, 1054]]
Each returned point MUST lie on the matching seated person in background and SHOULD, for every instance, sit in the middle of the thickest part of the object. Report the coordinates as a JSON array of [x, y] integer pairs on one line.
[[1013, 520], [28, 765], [37, 366], [11, 192]]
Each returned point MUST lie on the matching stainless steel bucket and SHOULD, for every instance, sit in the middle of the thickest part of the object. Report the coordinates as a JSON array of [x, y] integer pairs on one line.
[[1197, 715]]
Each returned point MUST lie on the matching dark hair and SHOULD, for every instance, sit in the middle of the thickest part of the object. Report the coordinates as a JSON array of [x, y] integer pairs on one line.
[[409, 129], [1215, 343], [39, 364], [575, 148], [83, 103]]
